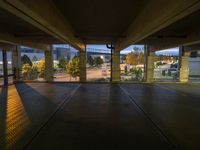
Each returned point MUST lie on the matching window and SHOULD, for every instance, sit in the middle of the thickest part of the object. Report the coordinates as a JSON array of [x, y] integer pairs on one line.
[[98, 63], [66, 63], [33, 64], [166, 65], [132, 63]]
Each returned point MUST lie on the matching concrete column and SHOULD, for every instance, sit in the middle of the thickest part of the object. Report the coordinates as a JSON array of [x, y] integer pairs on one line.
[[16, 62], [5, 67], [82, 66], [48, 74], [115, 66], [149, 66], [145, 62], [183, 65]]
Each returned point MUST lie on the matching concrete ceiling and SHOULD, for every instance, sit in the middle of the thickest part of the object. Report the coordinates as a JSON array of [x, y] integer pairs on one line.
[[100, 21], [182, 28], [183, 32], [19, 28], [159, 23]]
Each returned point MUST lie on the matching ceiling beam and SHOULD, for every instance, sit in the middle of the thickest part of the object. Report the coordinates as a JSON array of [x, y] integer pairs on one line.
[[12, 40], [44, 15], [156, 15], [195, 47], [7, 46], [165, 43]]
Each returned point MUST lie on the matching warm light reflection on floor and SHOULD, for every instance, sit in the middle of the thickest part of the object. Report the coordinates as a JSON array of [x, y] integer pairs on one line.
[[17, 120], [0, 90]]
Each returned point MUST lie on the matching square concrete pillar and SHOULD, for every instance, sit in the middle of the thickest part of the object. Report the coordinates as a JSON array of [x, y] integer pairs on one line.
[[150, 66], [49, 71], [82, 66], [16, 62], [183, 65], [5, 67], [115, 66]]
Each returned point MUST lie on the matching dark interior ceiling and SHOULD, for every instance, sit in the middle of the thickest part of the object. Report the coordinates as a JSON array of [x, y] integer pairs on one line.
[[181, 29], [96, 21], [20, 28]]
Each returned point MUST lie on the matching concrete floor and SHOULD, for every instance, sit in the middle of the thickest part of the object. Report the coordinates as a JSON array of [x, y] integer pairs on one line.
[[100, 116]]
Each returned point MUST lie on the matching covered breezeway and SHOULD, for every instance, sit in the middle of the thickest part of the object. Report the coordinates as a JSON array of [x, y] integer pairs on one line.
[[98, 116]]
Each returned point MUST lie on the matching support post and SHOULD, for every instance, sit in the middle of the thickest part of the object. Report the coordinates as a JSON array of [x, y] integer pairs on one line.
[[115, 75], [149, 65], [145, 62], [183, 65], [82, 66], [48, 75], [16, 62], [5, 67]]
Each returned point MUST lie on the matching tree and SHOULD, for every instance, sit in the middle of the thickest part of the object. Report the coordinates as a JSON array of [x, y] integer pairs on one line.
[[131, 58], [123, 58], [91, 61], [33, 73], [41, 68], [34, 58], [135, 58], [98, 61], [62, 63], [138, 74], [25, 71], [72, 67], [26, 60], [141, 58], [68, 56]]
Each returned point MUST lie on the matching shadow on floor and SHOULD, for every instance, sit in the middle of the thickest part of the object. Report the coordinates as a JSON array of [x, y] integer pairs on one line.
[[24, 109]]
